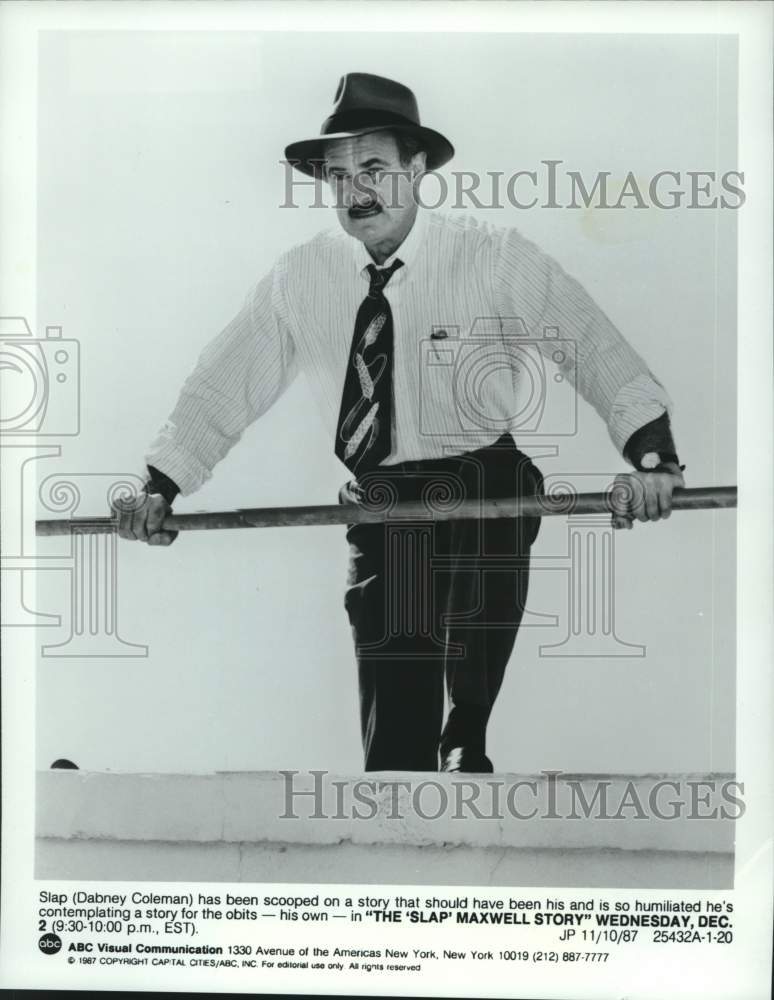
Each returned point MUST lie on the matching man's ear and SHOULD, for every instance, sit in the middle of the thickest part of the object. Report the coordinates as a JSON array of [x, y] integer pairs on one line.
[[418, 164]]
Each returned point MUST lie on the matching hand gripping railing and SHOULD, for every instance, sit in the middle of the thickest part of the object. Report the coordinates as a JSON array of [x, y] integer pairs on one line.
[[702, 498]]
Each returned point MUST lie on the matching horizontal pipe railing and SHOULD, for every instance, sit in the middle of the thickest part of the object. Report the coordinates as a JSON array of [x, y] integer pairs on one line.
[[562, 504]]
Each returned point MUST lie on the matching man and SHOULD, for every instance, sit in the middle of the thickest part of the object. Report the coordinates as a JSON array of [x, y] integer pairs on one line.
[[431, 297]]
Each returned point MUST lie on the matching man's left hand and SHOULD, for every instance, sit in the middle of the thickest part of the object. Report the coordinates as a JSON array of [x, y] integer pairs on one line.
[[646, 496]]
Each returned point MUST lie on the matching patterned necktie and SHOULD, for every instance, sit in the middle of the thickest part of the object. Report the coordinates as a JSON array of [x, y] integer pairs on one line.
[[364, 430]]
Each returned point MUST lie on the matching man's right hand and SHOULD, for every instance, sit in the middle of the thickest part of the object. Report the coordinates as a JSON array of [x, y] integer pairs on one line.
[[141, 516]]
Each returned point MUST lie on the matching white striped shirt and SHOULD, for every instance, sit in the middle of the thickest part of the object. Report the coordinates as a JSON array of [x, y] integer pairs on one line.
[[487, 327]]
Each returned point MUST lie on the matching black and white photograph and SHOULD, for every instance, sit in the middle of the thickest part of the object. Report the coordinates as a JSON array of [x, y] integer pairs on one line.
[[387, 521]]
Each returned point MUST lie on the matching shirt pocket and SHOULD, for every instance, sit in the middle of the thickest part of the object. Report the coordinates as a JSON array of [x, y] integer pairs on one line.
[[467, 383]]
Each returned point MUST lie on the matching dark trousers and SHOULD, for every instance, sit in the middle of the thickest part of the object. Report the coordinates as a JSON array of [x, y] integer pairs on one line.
[[434, 602]]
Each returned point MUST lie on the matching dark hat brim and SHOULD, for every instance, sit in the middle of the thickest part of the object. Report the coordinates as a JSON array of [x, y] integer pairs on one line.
[[308, 154]]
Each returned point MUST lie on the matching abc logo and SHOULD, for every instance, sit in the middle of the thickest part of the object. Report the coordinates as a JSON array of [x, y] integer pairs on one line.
[[50, 944]]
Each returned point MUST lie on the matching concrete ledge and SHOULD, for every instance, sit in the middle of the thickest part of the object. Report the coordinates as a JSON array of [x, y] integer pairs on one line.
[[274, 827]]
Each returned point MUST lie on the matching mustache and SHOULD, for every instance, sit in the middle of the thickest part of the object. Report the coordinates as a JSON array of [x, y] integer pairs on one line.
[[364, 208]]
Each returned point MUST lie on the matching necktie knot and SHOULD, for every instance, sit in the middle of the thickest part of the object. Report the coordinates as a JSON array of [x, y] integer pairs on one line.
[[379, 276]]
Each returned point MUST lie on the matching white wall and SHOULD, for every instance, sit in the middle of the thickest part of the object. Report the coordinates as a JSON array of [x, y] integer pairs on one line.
[[246, 827]]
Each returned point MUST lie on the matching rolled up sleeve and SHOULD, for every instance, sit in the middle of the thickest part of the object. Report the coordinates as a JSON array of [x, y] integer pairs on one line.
[[602, 366], [238, 376]]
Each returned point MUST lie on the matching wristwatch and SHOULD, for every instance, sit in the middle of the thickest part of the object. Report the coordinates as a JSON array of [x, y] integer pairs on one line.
[[653, 461]]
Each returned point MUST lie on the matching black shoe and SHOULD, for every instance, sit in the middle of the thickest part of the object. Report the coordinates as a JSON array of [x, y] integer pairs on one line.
[[462, 759]]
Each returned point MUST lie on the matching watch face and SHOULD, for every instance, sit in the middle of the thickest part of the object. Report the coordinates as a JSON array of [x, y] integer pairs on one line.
[[650, 460]]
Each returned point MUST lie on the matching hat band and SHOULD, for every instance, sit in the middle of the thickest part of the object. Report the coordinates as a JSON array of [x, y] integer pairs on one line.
[[349, 121]]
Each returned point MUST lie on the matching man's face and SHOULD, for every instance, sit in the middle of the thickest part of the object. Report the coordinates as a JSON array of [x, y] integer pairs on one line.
[[373, 191]]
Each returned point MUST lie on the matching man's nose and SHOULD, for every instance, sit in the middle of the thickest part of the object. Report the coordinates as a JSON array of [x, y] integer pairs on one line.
[[361, 190]]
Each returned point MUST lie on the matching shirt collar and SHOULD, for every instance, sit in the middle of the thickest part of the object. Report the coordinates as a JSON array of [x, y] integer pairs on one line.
[[406, 252]]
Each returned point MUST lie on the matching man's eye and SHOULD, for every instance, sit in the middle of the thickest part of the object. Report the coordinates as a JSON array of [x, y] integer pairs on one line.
[[376, 174]]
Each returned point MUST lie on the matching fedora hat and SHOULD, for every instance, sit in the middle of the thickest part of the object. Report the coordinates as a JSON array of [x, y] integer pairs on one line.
[[365, 103]]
